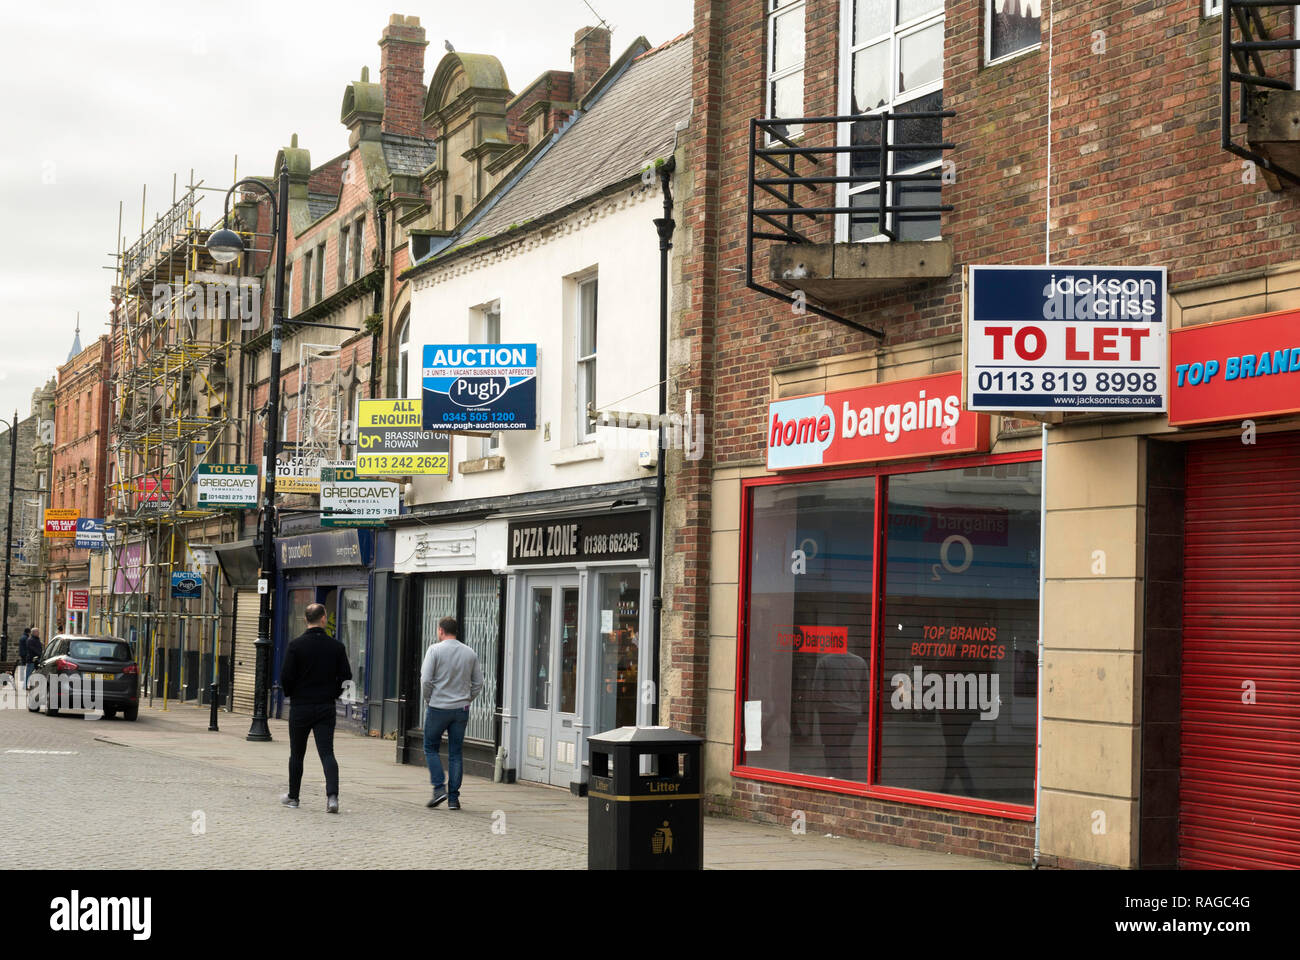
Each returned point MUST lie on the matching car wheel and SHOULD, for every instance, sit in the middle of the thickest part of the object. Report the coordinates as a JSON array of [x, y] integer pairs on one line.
[[50, 709], [33, 704], [110, 713], [131, 712]]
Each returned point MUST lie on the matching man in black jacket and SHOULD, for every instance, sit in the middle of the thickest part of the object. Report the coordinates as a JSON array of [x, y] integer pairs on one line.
[[312, 677]]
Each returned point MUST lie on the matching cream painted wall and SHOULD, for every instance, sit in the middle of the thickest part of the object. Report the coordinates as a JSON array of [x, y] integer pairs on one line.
[[615, 238]]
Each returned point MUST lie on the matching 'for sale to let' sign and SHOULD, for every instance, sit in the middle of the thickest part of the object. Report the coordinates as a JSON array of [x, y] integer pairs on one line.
[[61, 523], [1066, 338], [888, 421]]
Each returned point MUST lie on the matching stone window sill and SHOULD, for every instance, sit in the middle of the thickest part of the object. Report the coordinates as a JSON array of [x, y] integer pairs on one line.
[[578, 454], [482, 465]]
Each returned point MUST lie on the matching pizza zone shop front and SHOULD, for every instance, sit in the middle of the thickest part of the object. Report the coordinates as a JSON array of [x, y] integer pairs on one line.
[[887, 631]]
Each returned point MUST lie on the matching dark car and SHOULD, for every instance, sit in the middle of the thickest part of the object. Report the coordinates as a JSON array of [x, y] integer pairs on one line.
[[85, 673]]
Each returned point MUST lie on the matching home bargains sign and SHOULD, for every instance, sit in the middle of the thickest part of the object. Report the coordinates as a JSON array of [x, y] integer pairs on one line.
[[1235, 369], [888, 421]]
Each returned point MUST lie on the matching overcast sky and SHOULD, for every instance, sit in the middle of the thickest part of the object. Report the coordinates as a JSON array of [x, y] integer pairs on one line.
[[104, 98]]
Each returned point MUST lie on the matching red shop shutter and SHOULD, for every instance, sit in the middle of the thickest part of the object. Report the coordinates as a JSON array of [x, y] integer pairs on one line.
[[1240, 783]]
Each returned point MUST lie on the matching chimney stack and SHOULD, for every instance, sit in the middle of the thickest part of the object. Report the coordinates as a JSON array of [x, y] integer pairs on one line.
[[590, 59], [401, 75]]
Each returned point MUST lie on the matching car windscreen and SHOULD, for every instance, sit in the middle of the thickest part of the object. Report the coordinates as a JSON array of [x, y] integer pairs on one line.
[[100, 650]]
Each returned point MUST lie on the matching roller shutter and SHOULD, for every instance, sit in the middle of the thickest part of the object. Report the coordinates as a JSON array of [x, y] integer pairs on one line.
[[1240, 765], [247, 607]]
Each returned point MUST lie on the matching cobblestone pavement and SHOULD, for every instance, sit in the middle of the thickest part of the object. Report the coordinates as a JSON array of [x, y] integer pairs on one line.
[[163, 792]]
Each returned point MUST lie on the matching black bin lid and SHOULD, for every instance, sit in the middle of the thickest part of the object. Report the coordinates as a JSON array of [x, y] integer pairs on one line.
[[645, 735]]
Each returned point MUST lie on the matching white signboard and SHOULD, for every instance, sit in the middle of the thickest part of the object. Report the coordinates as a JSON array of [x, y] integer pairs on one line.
[[226, 485], [1066, 338], [347, 501], [295, 474]]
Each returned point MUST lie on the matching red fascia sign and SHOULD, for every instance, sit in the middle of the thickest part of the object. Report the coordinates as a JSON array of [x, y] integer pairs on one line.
[[78, 599], [901, 420], [1235, 369]]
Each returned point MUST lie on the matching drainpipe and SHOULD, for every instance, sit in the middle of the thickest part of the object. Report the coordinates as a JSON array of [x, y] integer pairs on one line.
[[665, 226], [1042, 604]]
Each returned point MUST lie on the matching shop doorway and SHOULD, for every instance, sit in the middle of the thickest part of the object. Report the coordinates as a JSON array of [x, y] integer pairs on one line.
[[551, 674]]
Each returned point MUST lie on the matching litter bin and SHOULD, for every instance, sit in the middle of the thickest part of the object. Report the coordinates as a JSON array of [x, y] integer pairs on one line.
[[643, 801]]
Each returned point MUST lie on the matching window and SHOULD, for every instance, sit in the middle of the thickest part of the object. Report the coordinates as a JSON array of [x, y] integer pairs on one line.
[[892, 61], [1213, 8], [890, 633], [475, 601], [785, 55], [351, 632], [306, 280], [320, 273], [1011, 26], [345, 258], [358, 232], [404, 356], [490, 446], [586, 357], [620, 650], [288, 300]]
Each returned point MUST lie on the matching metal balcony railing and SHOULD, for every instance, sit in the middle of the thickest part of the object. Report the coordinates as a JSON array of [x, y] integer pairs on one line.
[[1243, 65], [792, 185]]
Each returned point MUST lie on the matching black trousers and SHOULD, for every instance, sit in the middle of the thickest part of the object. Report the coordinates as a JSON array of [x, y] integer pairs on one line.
[[316, 719]]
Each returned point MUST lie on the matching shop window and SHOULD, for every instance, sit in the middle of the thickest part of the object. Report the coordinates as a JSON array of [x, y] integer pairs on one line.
[[481, 626], [1011, 26], [440, 595], [620, 649], [351, 624], [959, 659], [785, 57], [893, 645]]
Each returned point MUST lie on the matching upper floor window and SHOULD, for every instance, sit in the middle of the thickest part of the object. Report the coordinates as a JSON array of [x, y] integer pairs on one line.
[[1213, 8], [306, 279], [404, 357], [358, 232], [1011, 26], [490, 332], [345, 258], [320, 273], [586, 357], [785, 53], [892, 61]]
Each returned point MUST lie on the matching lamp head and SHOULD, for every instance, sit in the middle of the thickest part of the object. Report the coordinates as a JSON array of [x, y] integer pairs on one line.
[[225, 246]]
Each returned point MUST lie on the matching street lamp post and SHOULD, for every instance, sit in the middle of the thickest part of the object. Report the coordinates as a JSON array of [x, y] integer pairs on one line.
[[224, 246], [9, 536]]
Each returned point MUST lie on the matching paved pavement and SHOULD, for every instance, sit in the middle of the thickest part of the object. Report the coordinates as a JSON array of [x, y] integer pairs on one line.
[[189, 798]]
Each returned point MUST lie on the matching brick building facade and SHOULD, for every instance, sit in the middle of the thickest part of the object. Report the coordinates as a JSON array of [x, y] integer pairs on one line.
[[1129, 153]]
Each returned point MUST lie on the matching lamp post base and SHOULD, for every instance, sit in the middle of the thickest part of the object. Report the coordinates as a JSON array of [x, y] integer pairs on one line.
[[259, 731]]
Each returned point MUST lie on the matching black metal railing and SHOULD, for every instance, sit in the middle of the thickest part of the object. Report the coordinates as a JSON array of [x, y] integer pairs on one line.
[[784, 197], [1242, 65]]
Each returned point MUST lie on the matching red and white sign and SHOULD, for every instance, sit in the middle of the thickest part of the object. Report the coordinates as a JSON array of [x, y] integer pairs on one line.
[[803, 638], [155, 490], [61, 523], [1235, 369], [888, 421], [78, 599]]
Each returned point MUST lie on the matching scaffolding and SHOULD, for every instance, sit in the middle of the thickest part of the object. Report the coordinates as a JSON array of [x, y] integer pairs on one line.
[[176, 324]]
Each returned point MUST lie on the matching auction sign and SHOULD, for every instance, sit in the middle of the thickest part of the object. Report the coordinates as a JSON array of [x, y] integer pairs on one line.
[[899, 420], [476, 386], [1066, 338], [349, 501], [226, 485], [61, 523], [392, 441], [1235, 369]]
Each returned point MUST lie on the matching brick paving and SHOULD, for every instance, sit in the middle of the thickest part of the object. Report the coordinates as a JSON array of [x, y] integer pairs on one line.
[[164, 792]]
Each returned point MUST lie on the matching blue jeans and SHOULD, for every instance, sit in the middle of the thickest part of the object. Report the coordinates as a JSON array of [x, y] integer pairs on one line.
[[453, 722]]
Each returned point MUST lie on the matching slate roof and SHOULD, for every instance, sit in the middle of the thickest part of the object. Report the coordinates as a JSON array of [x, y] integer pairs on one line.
[[320, 204], [408, 155], [628, 127]]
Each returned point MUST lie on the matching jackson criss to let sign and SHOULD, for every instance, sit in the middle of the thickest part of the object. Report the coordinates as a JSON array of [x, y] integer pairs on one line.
[[1066, 338]]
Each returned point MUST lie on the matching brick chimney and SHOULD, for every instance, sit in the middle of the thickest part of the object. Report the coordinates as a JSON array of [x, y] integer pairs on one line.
[[401, 75], [590, 59]]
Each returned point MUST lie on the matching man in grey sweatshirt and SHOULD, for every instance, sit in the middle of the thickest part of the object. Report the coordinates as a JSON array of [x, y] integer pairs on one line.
[[450, 678]]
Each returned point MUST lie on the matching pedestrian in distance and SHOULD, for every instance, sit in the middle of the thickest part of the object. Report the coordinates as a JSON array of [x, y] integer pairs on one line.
[[22, 655], [34, 650], [315, 669], [450, 679]]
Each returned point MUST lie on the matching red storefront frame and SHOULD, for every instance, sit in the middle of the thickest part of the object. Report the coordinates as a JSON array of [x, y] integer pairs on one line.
[[870, 788]]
